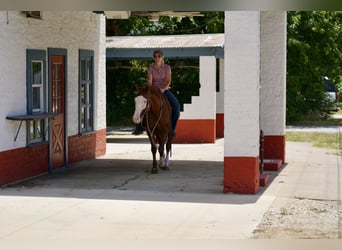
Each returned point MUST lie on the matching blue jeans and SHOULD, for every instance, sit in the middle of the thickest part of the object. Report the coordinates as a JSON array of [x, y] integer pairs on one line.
[[175, 107]]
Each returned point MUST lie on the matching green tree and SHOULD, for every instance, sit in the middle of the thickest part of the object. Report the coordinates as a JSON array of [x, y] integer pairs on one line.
[[123, 75], [314, 50]]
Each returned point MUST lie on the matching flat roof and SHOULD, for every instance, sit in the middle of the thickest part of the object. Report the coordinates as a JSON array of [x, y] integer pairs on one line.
[[166, 41], [191, 45]]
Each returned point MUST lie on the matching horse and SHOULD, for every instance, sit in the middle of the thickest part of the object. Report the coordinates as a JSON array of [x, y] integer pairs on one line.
[[153, 110]]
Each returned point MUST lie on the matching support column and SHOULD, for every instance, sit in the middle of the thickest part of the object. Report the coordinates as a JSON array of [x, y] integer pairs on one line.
[[197, 122], [273, 83], [220, 102], [241, 102]]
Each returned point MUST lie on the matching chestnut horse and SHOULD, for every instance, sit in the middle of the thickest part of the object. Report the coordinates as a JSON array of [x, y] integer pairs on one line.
[[153, 111]]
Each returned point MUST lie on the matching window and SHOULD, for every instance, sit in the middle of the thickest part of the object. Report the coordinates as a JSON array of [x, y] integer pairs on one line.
[[86, 90], [35, 85]]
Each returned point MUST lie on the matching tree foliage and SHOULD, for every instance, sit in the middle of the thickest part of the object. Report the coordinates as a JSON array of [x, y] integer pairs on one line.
[[314, 50], [124, 74]]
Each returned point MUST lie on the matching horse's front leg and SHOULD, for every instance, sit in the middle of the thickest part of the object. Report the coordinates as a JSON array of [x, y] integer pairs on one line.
[[161, 156], [154, 169], [164, 159]]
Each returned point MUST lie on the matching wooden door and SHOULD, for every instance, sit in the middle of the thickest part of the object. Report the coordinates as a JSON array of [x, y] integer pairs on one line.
[[57, 101]]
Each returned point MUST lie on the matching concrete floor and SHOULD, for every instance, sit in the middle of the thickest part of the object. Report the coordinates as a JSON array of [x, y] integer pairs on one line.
[[115, 197]]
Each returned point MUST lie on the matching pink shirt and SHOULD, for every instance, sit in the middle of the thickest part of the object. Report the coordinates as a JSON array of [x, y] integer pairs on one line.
[[159, 75]]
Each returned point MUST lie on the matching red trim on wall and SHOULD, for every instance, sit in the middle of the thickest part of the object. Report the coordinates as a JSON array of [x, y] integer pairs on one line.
[[86, 146], [219, 125], [274, 147], [195, 131], [101, 140], [241, 175], [23, 163]]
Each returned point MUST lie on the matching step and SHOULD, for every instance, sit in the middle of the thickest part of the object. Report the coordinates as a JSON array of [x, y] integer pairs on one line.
[[264, 179], [272, 164]]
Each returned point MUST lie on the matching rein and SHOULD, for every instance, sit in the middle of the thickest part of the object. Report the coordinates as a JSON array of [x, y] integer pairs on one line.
[[156, 123]]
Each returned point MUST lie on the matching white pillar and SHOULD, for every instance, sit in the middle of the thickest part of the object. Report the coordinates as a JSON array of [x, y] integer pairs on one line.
[[220, 102], [241, 102], [220, 93], [204, 105], [197, 121], [273, 83], [100, 75]]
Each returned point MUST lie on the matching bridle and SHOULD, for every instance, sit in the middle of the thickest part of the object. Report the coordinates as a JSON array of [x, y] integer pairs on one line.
[[145, 114]]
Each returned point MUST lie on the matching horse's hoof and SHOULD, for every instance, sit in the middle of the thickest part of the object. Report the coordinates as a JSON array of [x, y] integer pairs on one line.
[[154, 171], [165, 168]]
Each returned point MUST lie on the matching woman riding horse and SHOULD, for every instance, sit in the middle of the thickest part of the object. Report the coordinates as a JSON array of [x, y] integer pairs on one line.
[[159, 75]]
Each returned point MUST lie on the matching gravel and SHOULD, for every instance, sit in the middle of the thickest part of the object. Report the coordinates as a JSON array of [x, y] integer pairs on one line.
[[300, 218]]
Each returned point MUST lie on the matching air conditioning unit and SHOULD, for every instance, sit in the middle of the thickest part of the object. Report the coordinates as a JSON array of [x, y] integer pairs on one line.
[[34, 14]]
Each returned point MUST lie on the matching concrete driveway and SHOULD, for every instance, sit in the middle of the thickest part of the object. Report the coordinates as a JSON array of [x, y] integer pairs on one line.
[[115, 197]]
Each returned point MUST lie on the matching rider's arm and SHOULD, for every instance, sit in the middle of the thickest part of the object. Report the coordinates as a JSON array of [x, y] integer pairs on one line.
[[167, 80]]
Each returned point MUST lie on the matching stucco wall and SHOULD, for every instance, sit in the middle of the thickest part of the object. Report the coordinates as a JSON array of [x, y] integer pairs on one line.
[[204, 105], [242, 86], [220, 94], [58, 29], [273, 72]]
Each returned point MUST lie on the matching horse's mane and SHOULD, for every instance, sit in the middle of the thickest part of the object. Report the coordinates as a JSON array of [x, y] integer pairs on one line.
[[152, 89]]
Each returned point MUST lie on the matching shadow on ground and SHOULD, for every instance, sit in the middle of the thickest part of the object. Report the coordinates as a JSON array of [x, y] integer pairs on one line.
[[126, 176], [187, 181]]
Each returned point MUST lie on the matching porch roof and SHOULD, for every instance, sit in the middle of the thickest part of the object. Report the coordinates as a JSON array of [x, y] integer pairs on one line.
[[173, 46]]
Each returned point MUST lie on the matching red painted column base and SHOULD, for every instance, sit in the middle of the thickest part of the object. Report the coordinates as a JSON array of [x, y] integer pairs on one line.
[[219, 125], [195, 131], [264, 178], [274, 147], [241, 175]]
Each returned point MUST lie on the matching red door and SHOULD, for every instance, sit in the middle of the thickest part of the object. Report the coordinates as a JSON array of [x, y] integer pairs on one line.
[[58, 106]]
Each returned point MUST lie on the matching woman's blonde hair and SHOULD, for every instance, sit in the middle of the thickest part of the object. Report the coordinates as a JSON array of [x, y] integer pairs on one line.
[[158, 51]]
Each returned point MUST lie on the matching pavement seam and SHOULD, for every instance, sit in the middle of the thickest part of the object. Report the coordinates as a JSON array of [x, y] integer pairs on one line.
[[126, 182]]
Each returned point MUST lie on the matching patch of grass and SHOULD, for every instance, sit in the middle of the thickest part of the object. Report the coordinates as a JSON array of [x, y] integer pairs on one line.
[[318, 210], [319, 139], [284, 211], [315, 119]]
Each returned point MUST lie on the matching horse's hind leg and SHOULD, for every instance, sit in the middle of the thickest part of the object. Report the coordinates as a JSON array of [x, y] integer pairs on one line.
[[168, 153], [164, 160], [154, 169]]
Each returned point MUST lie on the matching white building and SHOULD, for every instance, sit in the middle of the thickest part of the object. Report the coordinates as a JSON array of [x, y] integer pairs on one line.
[[52, 91], [52, 104]]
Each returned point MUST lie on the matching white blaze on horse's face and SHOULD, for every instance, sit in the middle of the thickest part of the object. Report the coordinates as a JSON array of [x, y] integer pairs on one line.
[[140, 105]]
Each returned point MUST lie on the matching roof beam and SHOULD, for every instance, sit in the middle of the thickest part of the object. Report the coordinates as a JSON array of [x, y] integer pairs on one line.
[[146, 53]]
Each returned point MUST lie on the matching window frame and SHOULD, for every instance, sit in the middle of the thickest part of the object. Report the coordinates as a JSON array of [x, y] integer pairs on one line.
[[86, 103], [36, 128]]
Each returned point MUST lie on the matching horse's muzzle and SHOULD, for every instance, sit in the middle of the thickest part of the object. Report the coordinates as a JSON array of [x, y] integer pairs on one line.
[[136, 119]]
